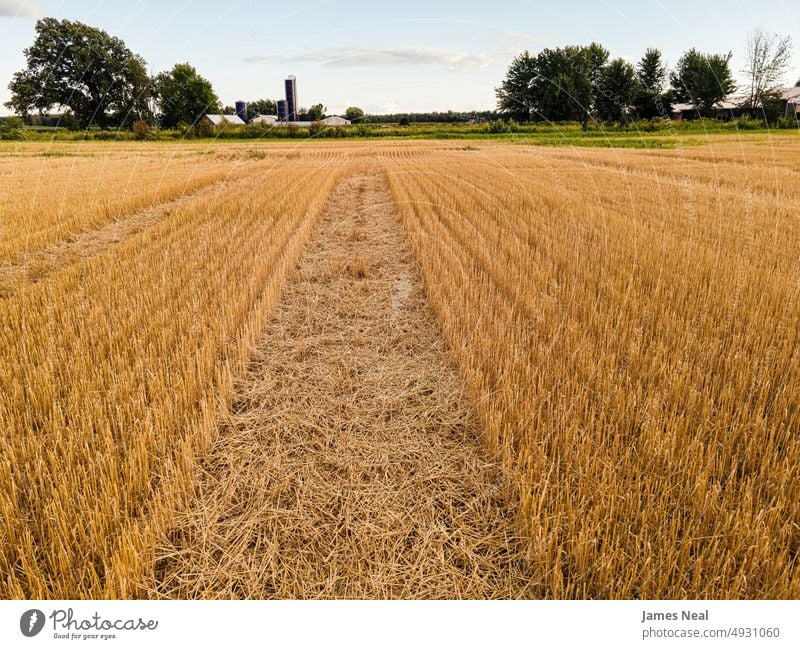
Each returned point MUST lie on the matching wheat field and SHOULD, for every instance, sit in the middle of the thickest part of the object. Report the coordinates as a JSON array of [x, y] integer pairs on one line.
[[624, 323]]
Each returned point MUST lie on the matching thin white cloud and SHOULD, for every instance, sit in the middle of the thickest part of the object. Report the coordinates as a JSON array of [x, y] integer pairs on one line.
[[362, 57], [13, 8], [516, 40]]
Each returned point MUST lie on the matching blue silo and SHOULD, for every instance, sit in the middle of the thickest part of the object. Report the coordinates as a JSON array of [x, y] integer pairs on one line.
[[241, 110]]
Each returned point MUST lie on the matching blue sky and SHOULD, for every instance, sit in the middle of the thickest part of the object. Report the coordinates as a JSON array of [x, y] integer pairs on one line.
[[406, 55]]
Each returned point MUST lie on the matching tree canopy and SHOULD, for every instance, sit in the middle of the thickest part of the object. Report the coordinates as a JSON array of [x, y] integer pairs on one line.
[[84, 70], [557, 84], [316, 112], [262, 107], [514, 93], [184, 96], [703, 79], [615, 91], [650, 96], [768, 57], [354, 114]]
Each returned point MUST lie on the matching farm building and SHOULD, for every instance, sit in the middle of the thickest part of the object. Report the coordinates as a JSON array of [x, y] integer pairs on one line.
[[791, 97], [683, 111], [218, 120], [335, 120], [265, 119], [728, 108], [735, 106]]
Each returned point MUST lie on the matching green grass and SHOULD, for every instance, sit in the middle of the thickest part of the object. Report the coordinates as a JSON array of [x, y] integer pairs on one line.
[[645, 135]]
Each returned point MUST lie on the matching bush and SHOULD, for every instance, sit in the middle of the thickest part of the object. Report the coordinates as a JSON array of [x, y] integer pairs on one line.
[[363, 130], [747, 124], [499, 126], [109, 135], [68, 121], [257, 131], [142, 130], [653, 125], [12, 128], [785, 121]]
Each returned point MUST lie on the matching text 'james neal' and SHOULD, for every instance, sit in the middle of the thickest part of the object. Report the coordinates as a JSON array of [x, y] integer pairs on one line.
[[648, 616]]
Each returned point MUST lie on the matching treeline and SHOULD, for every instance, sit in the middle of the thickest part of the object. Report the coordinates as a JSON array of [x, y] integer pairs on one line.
[[96, 81], [449, 117], [583, 84]]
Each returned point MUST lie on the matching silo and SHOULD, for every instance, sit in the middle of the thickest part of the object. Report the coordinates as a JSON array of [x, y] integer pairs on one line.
[[282, 110], [241, 110], [292, 106]]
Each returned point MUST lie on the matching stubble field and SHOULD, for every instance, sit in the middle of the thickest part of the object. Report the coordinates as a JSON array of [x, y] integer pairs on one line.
[[411, 369]]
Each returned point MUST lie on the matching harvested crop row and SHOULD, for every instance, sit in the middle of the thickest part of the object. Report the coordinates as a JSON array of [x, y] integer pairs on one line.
[[111, 371], [43, 203], [36, 266], [635, 358], [769, 174]]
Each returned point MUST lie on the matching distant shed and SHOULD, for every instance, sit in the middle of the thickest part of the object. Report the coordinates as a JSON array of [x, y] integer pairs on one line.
[[684, 111], [335, 120], [265, 119]]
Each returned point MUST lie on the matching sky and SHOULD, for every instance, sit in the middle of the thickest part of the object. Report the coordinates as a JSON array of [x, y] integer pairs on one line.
[[401, 56]]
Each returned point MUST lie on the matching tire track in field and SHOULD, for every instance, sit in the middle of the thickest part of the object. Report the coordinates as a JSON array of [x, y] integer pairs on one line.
[[36, 266], [350, 464]]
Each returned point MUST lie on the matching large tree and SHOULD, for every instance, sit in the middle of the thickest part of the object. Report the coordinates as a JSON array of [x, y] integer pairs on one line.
[[83, 70], [316, 112], [650, 99], [514, 96], [767, 61], [556, 85], [703, 79], [354, 114], [184, 96], [615, 91]]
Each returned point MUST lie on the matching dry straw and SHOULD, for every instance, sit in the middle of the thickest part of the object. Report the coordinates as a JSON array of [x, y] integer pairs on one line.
[[625, 323]]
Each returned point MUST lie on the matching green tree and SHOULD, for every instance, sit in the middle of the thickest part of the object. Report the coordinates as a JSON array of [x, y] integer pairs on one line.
[[557, 84], [768, 58], [315, 113], [514, 93], [615, 91], [703, 79], [650, 98], [184, 96], [85, 70], [354, 114], [261, 107], [12, 128]]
